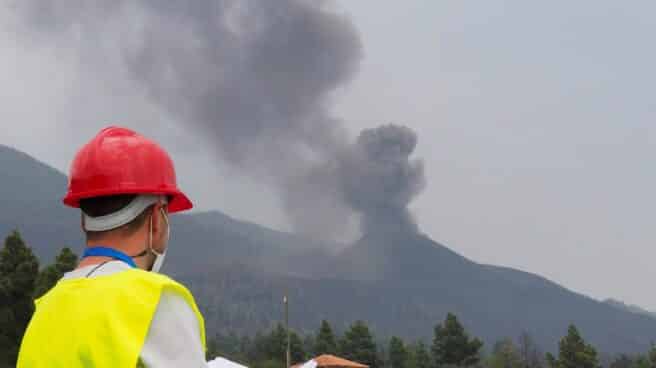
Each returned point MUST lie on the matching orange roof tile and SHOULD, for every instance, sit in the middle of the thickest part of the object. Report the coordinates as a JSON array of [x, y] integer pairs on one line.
[[331, 361]]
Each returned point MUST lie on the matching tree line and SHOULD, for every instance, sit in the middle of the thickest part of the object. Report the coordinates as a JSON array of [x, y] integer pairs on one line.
[[22, 280], [451, 347]]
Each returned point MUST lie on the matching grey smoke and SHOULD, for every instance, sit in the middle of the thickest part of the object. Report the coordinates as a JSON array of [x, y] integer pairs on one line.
[[254, 78], [380, 179]]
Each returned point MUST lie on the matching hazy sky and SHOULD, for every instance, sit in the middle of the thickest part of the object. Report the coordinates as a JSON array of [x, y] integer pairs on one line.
[[536, 122]]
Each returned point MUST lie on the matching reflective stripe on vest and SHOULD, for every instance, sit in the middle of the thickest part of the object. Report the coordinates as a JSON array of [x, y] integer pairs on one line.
[[102, 321]]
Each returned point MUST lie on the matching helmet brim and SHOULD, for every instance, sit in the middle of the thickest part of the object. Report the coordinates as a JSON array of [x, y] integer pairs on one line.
[[178, 201]]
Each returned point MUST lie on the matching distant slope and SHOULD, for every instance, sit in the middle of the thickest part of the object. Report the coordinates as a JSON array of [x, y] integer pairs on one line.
[[204, 241], [30, 194], [495, 301], [246, 300], [630, 308], [402, 283]]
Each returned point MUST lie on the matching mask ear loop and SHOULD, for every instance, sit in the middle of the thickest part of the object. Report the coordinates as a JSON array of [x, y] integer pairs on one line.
[[149, 249], [150, 232], [150, 241], [159, 257], [168, 225], [150, 237]]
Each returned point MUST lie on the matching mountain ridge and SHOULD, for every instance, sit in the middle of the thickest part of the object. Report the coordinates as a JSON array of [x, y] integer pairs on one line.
[[401, 282], [629, 307]]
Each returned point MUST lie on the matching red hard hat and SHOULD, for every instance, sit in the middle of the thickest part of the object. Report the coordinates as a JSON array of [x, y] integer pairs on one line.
[[120, 161]]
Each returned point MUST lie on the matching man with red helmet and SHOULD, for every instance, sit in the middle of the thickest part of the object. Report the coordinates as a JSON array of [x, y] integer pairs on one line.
[[115, 310]]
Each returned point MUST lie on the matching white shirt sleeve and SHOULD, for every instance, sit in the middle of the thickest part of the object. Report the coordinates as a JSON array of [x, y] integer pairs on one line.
[[174, 336]]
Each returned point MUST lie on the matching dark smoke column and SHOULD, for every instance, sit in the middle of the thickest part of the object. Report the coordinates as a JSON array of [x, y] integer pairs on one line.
[[379, 179]]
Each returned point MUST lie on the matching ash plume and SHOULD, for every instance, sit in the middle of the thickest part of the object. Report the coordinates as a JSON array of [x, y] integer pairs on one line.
[[254, 79], [380, 180]]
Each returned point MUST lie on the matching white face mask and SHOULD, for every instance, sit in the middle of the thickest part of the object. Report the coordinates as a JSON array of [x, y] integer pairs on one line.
[[159, 257]]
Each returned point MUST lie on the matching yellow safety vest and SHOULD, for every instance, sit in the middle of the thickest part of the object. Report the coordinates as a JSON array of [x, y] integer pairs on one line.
[[99, 322]]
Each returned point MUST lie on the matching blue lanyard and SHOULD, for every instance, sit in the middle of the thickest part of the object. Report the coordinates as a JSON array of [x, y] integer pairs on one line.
[[111, 253]]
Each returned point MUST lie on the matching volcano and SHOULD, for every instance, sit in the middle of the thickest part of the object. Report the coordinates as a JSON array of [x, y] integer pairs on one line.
[[397, 279]]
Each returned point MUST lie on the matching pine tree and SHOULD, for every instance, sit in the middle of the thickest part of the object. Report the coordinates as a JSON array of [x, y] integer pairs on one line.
[[297, 351], [382, 356], [277, 344], [529, 353], [325, 342], [642, 362], [452, 345], [422, 357], [505, 355], [358, 345], [18, 270], [258, 349], [573, 352], [65, 261], [309, 344], [273, 347], [398, 354]]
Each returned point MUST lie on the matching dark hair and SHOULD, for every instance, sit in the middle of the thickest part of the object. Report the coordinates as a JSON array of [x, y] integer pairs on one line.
[[101, 206]]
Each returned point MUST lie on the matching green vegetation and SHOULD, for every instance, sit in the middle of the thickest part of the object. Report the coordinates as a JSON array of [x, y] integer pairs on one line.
[[18, 271], [65, 261], [574, 352], [418, 356], [641, 361], [20, 282], [398, 354], [505, 355], [358, 345], [325, 342], [452, 345]]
